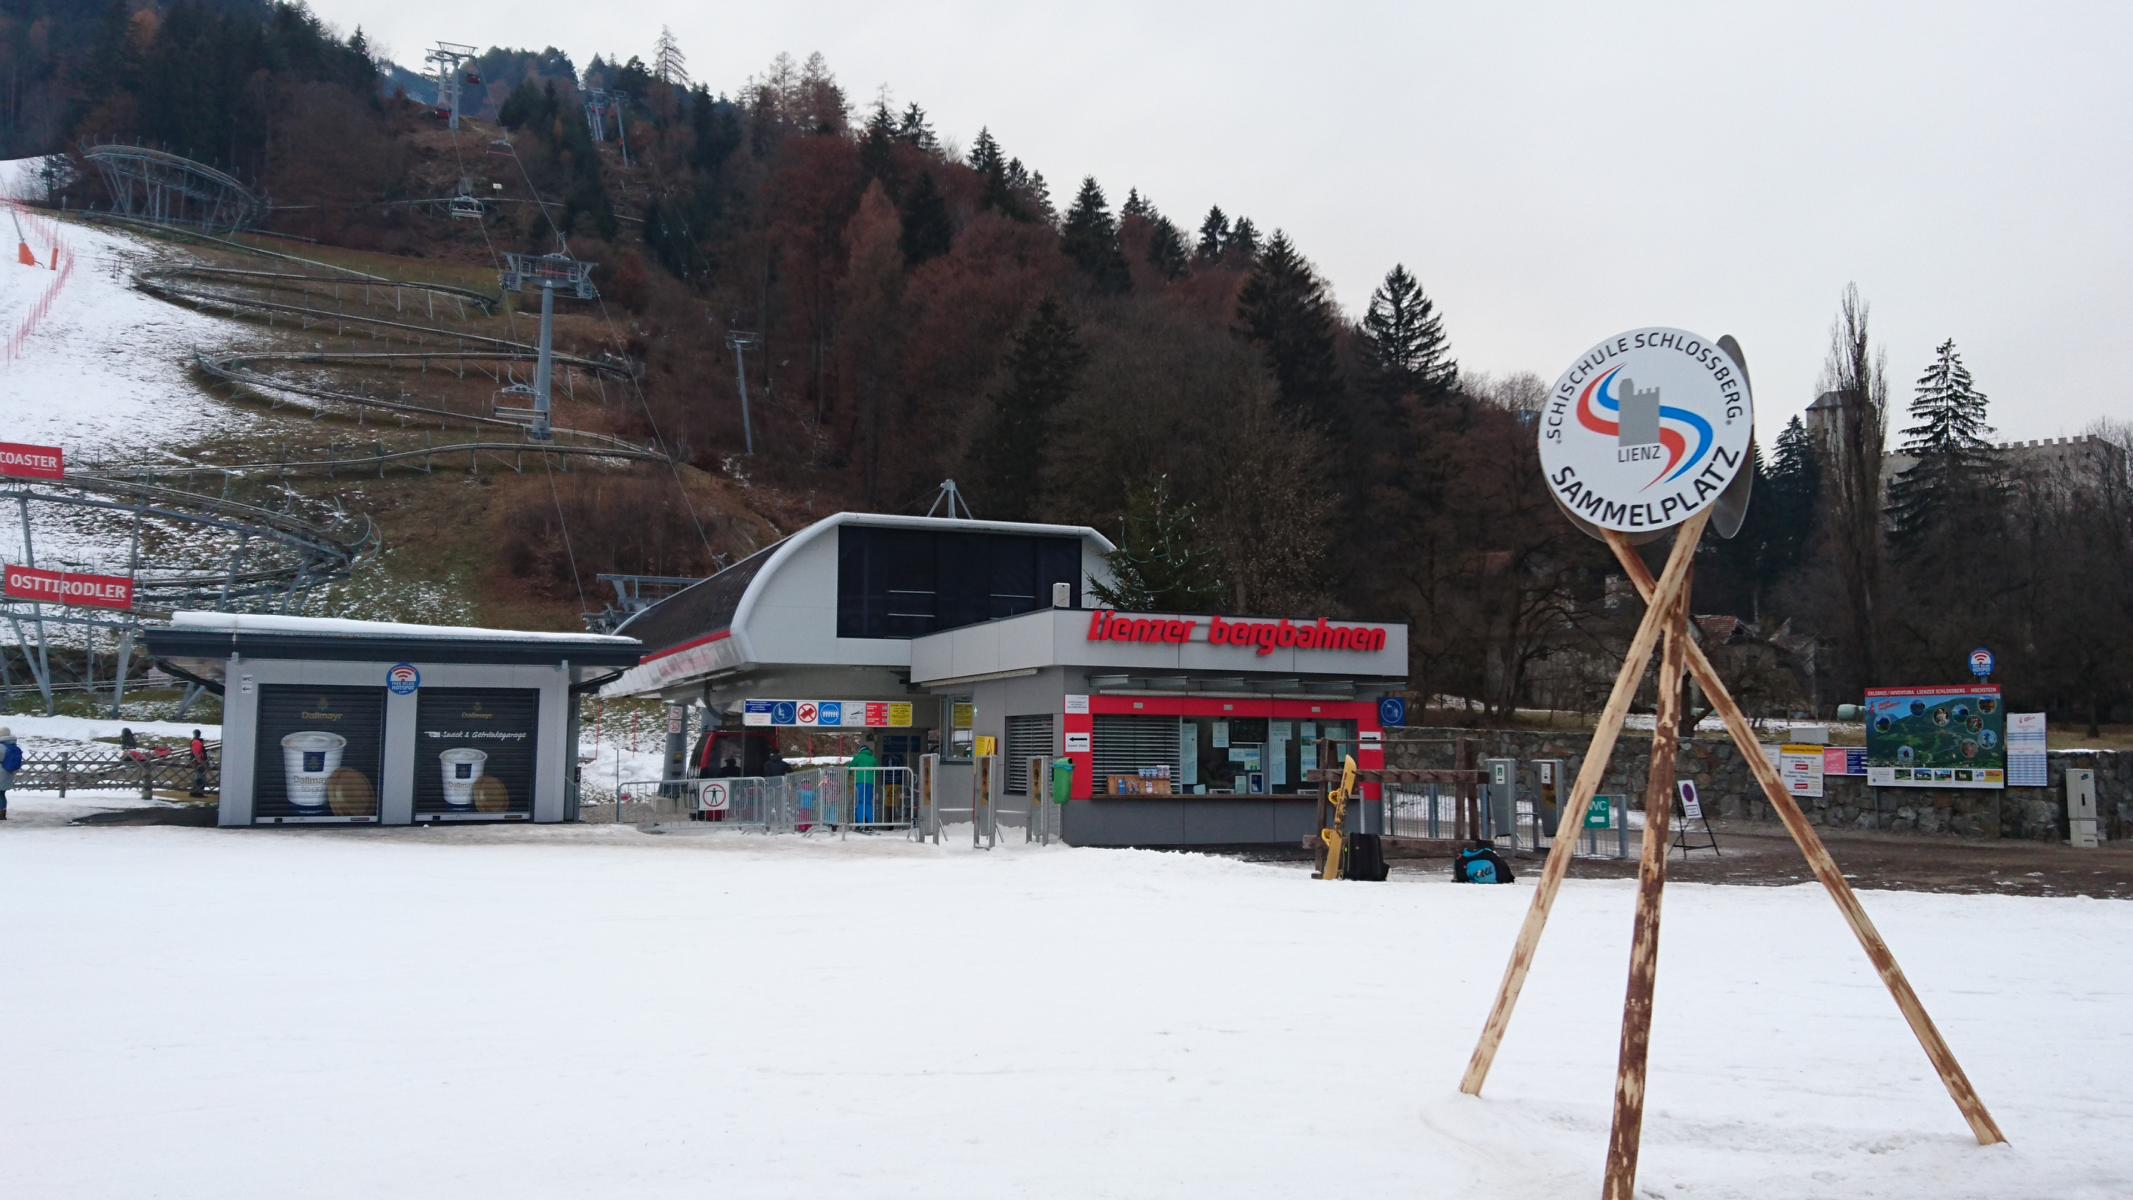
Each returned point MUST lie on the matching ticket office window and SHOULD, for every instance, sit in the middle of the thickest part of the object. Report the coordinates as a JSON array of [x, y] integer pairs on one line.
[[1256, 756]]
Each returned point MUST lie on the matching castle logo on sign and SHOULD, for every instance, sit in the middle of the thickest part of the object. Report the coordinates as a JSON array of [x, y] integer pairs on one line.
[[1645, 429]]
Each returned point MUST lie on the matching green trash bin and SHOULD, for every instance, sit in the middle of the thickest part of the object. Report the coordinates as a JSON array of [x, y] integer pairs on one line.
[[1062, 780]]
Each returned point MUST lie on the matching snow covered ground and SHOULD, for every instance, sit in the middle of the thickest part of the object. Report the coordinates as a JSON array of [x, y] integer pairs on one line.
[[102, 373], [591, 1011]]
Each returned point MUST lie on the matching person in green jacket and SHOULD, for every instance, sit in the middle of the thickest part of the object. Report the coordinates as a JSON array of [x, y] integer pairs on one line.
[[863, 785]]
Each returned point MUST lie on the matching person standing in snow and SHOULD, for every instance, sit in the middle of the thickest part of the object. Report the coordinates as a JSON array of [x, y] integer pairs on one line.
[[863, 764], [10, 762], [198, 749]]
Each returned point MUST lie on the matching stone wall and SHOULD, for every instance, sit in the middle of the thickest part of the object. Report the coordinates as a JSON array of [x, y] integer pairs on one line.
[[1729, 789]]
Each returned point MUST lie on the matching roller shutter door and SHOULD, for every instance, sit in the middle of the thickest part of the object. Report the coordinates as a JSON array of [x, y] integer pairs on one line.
[[1027, 738], [475, 750], [1123, 745], [320, 754]]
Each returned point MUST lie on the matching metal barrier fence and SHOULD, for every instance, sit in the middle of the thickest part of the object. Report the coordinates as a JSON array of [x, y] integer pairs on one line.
[[835, 799], [1432, 812], [141, 771]]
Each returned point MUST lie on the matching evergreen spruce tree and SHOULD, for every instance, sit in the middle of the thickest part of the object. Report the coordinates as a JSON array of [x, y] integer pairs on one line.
[[1214, 236], [984, 157], [987, 160], [1284, 310], [876, 144], [1135, 205], [915, 129], [1243, 241], [1040, 198], [1404, 347], [927, 231], [1166, 250], [1162, 563], [1792, 498], [1044, 366], [1953, 481], [1090, 239]]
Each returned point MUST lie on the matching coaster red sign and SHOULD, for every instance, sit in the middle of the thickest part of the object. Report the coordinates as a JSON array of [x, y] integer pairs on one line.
[[21, 461]]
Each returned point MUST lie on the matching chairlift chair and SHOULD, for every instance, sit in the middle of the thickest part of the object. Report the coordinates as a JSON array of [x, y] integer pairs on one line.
[[501, 147], [474, 77], [467, 208]]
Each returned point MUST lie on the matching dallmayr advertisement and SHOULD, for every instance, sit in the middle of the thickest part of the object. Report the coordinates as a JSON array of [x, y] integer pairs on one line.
[[474, 752], [1948, 737], [319, 753]]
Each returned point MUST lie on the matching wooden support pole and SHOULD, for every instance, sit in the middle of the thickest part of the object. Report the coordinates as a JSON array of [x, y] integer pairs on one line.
[[1825, 869], [1627, 1135], [1590, 772]]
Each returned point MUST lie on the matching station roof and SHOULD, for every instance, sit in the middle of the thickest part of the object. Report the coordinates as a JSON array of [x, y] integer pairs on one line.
[[206, 640], [722, 601]]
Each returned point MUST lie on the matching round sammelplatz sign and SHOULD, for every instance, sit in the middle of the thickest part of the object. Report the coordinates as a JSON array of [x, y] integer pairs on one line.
[[1646, 429]]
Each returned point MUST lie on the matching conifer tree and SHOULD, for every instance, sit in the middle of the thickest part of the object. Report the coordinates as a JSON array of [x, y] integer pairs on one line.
[[915, 129], [1284, 310], [927, 231], [1090, 238], [1243, 240], [876, 143], [1162, 563], [1953, 481], [1214, 236], [1044, 367], [987, 160], [1404, 347], [984, 157], [1166, 250], [1135, 205], [1792, 498], [1040, 197]]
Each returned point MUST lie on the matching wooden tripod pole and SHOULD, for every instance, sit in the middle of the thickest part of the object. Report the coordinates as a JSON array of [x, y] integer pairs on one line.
[[1825, 868], [1590, 772], [1628, 1132]]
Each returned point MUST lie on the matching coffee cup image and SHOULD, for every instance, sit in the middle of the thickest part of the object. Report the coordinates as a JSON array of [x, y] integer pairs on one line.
[[308, 759], [461, 766]]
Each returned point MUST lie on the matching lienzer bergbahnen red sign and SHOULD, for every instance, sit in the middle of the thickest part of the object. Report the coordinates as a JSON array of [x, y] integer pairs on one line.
[[1264, 636], [65, 587]]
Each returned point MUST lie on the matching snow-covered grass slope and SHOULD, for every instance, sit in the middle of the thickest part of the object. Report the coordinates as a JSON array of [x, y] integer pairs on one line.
[[588, 1011]]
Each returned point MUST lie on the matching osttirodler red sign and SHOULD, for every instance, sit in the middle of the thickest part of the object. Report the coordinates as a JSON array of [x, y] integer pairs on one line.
[[19, 461], [1646, 429], [66, 587]]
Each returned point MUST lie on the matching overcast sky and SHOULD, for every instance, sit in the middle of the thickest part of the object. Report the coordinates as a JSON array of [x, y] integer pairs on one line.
[[1552, 172]]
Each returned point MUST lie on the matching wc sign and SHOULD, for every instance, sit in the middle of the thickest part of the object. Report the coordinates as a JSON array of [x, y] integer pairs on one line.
[[403, 679]]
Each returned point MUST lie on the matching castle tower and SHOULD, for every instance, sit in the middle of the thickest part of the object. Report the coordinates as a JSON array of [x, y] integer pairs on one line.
[[1639, 414]]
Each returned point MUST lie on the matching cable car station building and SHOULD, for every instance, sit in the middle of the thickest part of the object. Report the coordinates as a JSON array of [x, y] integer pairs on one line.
[[938, 635]]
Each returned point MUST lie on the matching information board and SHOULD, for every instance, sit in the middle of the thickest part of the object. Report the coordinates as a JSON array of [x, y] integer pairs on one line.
[[1947, 737]]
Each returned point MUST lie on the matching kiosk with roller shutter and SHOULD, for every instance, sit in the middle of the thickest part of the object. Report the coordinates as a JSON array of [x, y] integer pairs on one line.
[[332, 722]]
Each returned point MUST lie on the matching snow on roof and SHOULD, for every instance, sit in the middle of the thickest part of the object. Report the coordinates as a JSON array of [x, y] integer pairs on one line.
[[343, 627]]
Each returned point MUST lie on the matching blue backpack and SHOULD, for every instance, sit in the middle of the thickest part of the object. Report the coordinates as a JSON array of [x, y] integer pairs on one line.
[[13, 759], [1480, 870]]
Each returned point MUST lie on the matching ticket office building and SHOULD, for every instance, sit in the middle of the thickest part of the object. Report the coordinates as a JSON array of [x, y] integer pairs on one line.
[[1183, 729], [361, 723]]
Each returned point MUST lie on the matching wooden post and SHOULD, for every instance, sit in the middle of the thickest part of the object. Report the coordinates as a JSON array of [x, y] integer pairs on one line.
[[1590, 773], [1627, 1134], [1825, 869]]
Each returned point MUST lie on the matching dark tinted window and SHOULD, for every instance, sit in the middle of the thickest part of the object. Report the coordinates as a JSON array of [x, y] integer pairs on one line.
[[902, 583]]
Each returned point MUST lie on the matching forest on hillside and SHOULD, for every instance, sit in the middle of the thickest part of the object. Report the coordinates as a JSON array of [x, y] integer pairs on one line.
[[926, 304]]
